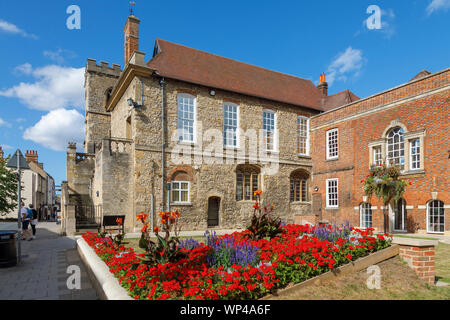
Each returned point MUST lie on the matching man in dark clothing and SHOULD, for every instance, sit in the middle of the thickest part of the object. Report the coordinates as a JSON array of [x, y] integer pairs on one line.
[[34, 220]]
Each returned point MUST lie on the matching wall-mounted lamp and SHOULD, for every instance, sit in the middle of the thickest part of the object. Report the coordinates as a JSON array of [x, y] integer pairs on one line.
[[316, 189], [212, 92], [133, 103], [98, 193]]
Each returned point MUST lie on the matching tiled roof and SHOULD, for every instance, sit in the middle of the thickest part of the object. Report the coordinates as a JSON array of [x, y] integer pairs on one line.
[[338, 99], [179, 62]]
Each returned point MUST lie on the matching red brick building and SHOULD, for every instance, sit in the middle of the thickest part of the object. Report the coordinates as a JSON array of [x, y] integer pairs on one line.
[[408, 125]]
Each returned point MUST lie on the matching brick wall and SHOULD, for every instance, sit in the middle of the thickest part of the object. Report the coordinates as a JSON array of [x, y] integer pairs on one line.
[[368, 120], [421, 260]]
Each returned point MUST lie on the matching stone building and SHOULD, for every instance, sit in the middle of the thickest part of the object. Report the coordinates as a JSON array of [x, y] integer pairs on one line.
[[199, 137], [197, 132], [408, 125], [38, 187]]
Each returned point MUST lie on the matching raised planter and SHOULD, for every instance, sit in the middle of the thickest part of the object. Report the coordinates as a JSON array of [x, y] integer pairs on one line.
[[105, 284], [351, 267]]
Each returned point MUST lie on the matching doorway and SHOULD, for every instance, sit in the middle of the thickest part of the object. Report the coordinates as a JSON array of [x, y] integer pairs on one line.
[[213, 211], [400, 216]]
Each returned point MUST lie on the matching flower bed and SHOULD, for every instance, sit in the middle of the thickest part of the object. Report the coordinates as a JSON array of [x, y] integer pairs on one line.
[[258, 268]]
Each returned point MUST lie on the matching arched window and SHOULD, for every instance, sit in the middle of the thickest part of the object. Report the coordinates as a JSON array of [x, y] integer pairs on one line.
[[366, 215], [436, 216], [180, 187], [299, 186], [396, 147], [247, 182]]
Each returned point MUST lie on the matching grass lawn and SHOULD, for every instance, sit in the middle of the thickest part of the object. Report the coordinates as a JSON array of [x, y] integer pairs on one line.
[[134, 242], [398, 282], [442, 260]]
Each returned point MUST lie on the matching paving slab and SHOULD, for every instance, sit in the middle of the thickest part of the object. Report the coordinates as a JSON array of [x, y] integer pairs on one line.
[[42, 272]]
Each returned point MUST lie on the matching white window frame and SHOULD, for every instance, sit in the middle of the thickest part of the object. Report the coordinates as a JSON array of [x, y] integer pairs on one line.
[[275, 137], [362, 214], [328, 193], [225, 140], [401, 147], [414, 144], [179, 191], [376, 161], [328, 133], [194, 121], [307, 136], [428, 216]]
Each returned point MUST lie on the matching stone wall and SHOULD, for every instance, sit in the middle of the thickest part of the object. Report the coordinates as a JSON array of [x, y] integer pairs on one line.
[[99, 79], [213, 179]]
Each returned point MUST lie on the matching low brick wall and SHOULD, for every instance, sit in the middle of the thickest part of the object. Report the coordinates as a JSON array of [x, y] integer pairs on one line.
[[419, 254]]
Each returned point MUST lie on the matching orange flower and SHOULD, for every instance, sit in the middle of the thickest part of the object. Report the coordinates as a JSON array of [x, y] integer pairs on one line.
[[156, 229], [144, 228], [119, 221], [257, 193], [142, 217], [256, 206]]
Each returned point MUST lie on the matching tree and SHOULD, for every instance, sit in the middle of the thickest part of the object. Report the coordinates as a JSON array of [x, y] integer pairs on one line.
[[384, 182], [8, 189]]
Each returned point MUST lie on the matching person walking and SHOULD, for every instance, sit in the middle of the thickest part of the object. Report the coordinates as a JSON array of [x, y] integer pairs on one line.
[[25, 222], [34, 220]]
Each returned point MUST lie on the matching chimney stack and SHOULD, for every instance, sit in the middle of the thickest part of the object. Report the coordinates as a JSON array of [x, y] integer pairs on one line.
[[1, 153], [131, 32], [323, 85], [31, 156]]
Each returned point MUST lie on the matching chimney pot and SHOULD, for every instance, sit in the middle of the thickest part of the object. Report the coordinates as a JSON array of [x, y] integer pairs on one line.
[[323, 85]]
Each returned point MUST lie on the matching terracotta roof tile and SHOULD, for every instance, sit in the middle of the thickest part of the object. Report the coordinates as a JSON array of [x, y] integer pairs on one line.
[[179, 62], [338, 99]]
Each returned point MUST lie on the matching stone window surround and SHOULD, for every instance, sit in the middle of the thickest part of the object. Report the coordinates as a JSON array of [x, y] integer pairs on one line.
[[408, 137], [300, 174], [308, 136], [275, 130], [194, 98], [233, 104]]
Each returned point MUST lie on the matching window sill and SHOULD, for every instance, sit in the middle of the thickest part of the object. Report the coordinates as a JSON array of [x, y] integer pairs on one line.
[[331, 208], [181, 204], [304, 156], [412, 172], [187, 143], [300, 202], [231, 148], [333, 159]]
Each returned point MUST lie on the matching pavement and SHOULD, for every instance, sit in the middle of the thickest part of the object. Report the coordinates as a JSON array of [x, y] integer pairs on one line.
[[42, 272]]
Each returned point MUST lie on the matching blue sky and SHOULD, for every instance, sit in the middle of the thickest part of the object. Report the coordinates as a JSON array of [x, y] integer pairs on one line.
[[42, 61]]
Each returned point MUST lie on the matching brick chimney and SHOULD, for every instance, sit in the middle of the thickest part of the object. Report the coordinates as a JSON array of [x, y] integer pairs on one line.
[[323, 85], [1, 153], [31, 156], [131, 32]]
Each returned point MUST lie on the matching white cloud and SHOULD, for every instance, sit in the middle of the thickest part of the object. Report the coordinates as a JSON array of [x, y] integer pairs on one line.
[[55, 87], [436, 5], [25, 68], [6, 147], [56, 129], [59, 56], [348, 63], [3, 123], [13, 29]]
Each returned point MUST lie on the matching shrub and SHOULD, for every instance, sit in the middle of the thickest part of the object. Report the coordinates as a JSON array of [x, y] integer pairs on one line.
[[263, 225]]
